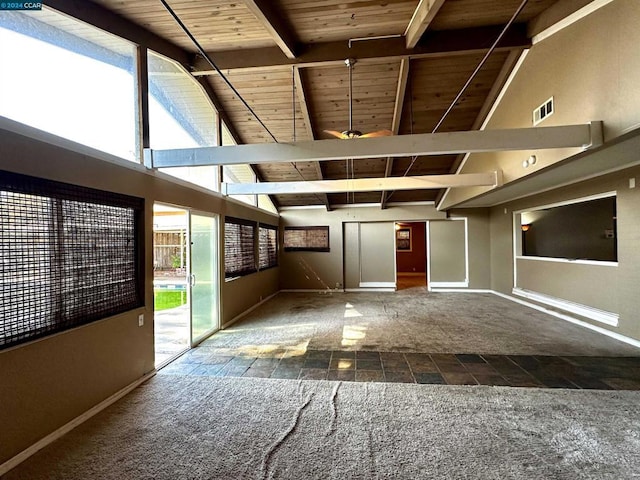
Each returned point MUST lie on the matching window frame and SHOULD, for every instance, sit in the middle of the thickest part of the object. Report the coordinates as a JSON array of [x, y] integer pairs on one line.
[[58, 311], [240, 272], [274, 262], [306, 248], [520, 233]]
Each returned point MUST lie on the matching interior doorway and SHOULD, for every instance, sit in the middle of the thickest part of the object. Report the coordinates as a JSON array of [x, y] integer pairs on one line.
[[185, 280], [411, 255]]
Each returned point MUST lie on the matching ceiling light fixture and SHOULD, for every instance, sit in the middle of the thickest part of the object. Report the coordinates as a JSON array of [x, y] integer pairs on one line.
[[529, 161]]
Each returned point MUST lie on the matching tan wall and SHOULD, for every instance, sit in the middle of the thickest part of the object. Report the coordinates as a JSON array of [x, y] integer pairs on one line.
[[479, 246], [447, 252], [351, 255], [613, 289], [48, 382], [590, 68], [585, 286], [501, 249], [319, 270], [377, 253], [241, 293], [325, 270]]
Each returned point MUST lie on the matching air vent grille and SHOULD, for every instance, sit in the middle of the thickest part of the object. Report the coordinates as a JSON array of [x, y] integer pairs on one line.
[[543, 111]]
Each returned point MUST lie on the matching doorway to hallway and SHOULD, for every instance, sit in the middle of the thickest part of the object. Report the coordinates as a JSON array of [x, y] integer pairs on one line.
[[411, 255]]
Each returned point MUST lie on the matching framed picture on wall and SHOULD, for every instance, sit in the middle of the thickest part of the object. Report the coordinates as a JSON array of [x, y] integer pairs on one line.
[[403, 239]]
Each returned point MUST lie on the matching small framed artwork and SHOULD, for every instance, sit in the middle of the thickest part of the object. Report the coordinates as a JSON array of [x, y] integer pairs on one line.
[[403, 239]]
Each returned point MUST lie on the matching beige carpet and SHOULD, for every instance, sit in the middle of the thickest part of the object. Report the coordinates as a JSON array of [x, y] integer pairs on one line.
[[177, 427]]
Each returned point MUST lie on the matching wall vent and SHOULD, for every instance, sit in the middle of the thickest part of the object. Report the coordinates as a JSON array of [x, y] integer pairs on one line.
[[543, 111]]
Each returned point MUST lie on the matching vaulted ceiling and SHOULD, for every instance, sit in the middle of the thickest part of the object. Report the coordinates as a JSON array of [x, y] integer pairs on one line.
[[286, 59]]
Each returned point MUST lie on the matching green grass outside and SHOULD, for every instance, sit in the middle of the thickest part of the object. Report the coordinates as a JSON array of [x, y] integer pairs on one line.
[[165, 299]]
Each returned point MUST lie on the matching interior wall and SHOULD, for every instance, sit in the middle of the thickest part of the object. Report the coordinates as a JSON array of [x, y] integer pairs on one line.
[[584, 286], [239, 294], [414, 261], [590, 69], [377, 254], [48, 382], [610, 288], [479, 237], [447, 252], [325, 270], [351, 240]]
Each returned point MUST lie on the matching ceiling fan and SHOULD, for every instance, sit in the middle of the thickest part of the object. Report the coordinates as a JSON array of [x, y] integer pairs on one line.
[[351, 133]]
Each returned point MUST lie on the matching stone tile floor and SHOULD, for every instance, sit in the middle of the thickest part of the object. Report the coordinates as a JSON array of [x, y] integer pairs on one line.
[[604, 373]]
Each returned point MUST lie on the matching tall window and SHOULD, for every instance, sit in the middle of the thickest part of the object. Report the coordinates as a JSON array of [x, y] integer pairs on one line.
[[78, 81], [239, 247], [240, 174], [267, 247], [70, 255], [181, 115]]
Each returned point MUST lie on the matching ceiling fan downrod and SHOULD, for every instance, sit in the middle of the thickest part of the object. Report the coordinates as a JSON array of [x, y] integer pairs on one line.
[[350, 62]]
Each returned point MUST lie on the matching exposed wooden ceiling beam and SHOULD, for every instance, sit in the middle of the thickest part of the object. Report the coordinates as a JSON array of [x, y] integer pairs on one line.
[[304, 106], [446, 143], [273, 23], [403, 77], [434, 44], [425, 12], [302, 99], [491, 179]]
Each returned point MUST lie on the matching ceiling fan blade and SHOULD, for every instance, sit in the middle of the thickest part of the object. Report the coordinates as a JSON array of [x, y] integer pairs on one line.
[[379, 133], [336, 134]]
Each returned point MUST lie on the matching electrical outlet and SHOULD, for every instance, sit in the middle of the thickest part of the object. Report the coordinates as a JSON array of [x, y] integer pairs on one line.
[[141, 320], [632, 182]]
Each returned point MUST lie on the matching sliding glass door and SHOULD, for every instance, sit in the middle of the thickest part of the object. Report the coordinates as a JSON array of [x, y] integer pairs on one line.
[[203, 276]]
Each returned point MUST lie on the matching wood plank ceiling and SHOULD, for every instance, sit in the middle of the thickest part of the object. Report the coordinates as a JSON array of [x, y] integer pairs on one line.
[[286, 58]]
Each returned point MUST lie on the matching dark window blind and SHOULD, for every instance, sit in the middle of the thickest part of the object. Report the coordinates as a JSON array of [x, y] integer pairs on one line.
[[239, 247], [69, 255], [313, 239], [267, 247]]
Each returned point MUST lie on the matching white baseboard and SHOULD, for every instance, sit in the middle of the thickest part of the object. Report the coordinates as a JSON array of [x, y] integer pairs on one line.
[[602, 316], [569, 318], [312, 290], [460, 290], [378, 285], [351, 290], [449, 284], [249, 310], [56, 434]]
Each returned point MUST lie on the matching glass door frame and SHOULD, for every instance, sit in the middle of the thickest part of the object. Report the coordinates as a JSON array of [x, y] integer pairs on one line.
[[192, 278]]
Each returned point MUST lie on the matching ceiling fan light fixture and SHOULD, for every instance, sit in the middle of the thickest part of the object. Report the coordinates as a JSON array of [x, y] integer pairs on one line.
[[351, 132]]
